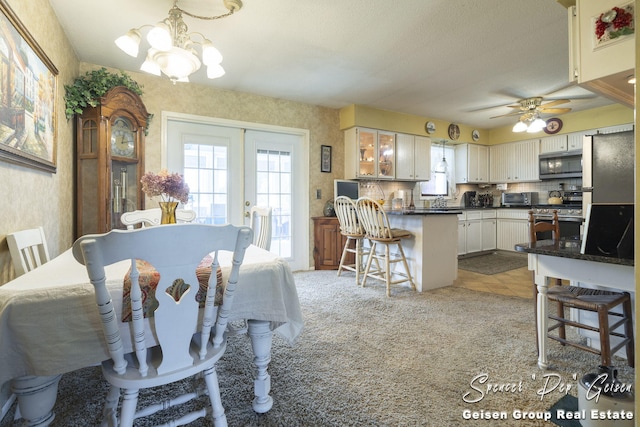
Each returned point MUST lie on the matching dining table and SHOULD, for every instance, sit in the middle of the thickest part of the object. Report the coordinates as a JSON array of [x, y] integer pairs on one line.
[[49, 324]]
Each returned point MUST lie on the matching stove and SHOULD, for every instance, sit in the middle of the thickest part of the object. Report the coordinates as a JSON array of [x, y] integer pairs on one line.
[[566, 212]]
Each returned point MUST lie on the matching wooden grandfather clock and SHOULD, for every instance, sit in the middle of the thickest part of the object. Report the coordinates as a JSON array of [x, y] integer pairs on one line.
[[109, 161]]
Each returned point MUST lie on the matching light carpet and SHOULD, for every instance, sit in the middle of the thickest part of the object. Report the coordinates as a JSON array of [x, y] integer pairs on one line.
[[368, 360], [493, 263]]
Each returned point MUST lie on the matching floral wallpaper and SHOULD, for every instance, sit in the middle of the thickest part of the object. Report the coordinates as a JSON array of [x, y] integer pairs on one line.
[[33, 198]]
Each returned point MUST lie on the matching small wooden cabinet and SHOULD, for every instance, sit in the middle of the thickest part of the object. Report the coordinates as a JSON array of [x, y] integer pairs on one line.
[[328, 243]]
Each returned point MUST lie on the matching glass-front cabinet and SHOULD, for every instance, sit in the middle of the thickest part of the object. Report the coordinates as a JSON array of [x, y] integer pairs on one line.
[[369, 154]]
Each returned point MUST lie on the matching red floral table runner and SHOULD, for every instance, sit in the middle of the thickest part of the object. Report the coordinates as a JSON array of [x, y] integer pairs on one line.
[[149, 279]]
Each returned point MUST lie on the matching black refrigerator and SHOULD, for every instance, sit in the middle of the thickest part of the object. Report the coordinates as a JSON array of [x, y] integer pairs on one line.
[[608, 163], [608, 183]]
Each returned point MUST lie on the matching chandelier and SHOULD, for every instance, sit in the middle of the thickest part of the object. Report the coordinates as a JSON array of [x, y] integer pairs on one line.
[[530, 122], [172, 50]]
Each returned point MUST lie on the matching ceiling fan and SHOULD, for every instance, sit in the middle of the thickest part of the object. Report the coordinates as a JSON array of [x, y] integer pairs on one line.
[[532, 107]]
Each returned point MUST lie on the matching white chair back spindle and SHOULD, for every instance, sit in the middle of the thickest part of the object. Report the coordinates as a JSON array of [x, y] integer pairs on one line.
[[28, 249], [260, 222]]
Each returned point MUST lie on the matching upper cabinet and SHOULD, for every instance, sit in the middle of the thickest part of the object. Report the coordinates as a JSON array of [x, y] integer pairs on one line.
[[601, 58], [369, 153], [515, 162], [561, 143], [413, 157], [472, 164]]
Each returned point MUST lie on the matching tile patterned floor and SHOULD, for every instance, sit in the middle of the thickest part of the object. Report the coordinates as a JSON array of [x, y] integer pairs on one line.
[[516, 282]]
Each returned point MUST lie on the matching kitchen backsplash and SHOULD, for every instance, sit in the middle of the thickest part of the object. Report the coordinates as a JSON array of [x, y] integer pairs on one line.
[[388, 190]]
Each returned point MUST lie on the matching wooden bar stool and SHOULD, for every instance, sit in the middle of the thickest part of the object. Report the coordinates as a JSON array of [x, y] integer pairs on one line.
[[351, 228], [594, 300], [379, 232]]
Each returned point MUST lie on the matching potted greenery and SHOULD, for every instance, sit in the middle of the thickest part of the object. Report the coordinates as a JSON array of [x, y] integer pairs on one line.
[[87, 90]]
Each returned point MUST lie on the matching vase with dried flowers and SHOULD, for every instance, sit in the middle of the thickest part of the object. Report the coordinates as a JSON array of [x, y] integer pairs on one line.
[[171, 189]]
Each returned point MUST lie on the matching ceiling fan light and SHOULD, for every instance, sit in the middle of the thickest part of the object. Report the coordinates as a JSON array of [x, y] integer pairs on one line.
[[129, 43], [631, 80], [520, 127], [160, 36], [537, 125]]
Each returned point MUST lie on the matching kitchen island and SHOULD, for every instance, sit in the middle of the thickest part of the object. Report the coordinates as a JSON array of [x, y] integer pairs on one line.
[[432, 252]]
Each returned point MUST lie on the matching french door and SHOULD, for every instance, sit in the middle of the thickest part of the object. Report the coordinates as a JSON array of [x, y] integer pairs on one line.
[[230, 167]]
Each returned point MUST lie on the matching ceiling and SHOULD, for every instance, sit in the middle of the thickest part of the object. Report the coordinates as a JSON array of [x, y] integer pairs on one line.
[[461, 61]]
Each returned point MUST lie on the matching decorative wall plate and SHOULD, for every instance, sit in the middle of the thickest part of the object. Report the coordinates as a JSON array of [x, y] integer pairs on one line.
[[475, 135], [454, 131], [430, 127], [553, 126]]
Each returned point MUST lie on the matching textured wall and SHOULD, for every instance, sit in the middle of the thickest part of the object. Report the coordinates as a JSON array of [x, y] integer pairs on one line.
[[322, 123], [31, 197]]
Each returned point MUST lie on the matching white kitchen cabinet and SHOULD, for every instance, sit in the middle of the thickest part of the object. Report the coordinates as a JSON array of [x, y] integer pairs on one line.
[[600, 65], [489, 229], [470, 232], [472, 163], [512, 228], [413, 157], [561, 143], [515, 162], [553, 144], [369, 154], [462, 234], [574, 141]]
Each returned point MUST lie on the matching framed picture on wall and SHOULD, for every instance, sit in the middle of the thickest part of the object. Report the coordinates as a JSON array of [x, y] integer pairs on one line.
[[28, 88], [325, 158]]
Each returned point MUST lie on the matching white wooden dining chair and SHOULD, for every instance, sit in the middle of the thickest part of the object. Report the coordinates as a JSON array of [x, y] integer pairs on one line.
[[149, 217], [260, 222], [378, 230], [190, 339], [28, 249]]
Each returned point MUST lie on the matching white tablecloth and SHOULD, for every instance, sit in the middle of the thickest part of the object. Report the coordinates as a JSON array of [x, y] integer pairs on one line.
[[49, 323]]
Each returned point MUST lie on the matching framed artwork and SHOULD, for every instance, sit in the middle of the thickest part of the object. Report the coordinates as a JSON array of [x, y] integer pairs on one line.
[[28, 90], [325, 158]]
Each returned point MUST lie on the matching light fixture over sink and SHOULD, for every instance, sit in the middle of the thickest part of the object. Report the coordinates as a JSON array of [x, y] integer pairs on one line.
[[172, 50]]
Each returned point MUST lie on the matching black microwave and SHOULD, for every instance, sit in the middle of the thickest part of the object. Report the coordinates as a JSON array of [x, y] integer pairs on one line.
[[561, 165]]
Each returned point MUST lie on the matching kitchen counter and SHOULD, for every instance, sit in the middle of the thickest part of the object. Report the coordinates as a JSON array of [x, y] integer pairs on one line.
[[426, 211], [567, 249], [432, 251]]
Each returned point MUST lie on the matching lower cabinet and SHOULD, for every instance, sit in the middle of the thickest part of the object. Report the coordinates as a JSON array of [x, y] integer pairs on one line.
[[476, 231], [328, 243], [489, 230], [513, 228]]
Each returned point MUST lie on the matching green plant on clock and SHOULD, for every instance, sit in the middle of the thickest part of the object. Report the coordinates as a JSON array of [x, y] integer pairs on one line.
[[87, 90]]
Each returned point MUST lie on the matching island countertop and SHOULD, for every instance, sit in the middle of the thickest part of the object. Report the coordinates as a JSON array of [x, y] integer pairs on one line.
[[426, 211], [567, 249]]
